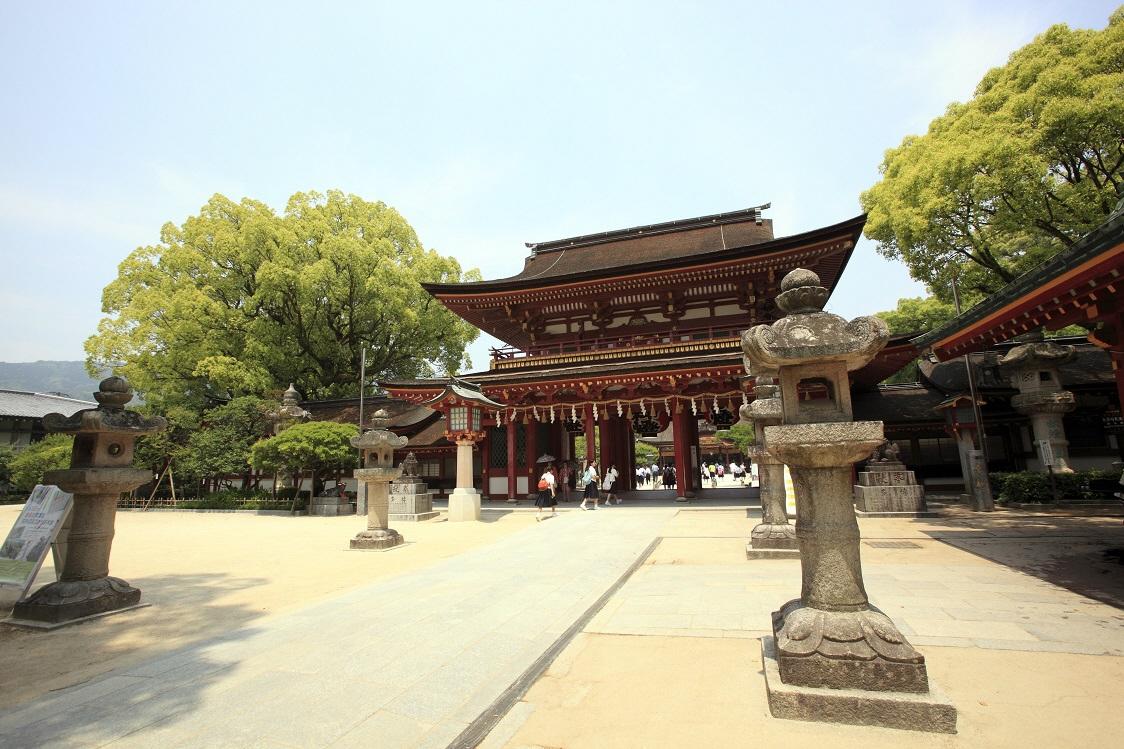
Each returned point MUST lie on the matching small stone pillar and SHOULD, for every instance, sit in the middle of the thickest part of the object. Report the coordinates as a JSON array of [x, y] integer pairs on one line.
[[100, 470], [774, 537], [887, 488], [834, 657], [378, 446], [1033, 369], [410, 498]]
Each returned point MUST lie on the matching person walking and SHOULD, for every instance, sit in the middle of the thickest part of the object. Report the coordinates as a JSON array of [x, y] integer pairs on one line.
[[590, 485], [547, 493], [607, 485], [564, 476]]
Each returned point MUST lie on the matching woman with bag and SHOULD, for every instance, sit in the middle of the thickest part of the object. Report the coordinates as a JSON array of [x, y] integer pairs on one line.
[[591, 488], [546, 493]]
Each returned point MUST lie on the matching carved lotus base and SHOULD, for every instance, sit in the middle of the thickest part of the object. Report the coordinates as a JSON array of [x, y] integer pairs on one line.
[[773, 536], [845, 650], [384, 538], [66, 600]]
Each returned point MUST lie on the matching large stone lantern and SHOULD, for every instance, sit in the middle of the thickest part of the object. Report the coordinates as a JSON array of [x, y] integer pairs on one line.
[[463, 405], [378, 445], [834, 656], [1033, 369], [774, 537], [100, 470]]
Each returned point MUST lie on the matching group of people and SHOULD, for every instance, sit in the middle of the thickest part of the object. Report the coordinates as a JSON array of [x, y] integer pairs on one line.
[[709, 473], [599, 488], [591, 483]]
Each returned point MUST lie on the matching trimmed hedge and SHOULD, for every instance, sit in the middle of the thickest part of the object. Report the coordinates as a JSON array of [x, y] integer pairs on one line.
[[1033, 487], [256, 499]]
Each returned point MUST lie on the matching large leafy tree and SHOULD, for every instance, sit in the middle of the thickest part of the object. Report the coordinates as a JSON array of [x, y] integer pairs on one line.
[[239, 300], [1026, 167], [917, 315], [316, 446], [222, 446], [29, 465]]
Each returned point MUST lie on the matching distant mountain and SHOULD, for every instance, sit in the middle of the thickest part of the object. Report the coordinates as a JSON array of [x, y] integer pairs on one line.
[[67, 377]]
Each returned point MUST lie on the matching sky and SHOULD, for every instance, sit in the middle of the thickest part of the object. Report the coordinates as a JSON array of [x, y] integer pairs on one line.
[[487, 125]]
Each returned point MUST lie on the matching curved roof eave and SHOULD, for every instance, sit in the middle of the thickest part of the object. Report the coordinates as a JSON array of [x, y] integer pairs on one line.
[[853, 226]]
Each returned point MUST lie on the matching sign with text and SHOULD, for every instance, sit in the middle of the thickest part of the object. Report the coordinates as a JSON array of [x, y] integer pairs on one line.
[[27, 543], [1046, 451]]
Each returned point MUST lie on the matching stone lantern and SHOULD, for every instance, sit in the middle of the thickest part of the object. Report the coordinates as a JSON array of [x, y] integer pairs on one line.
[[378, 446], [960, 421], [1033, 369], [833, 656], [774, 537], [463, 405], [100, 470]]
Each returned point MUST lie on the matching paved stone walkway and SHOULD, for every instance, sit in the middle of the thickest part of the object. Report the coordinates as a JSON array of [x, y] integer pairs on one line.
[[405, 662], [956, 605]]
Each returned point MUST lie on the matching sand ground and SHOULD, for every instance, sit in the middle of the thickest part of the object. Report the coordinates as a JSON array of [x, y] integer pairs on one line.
[[622, 683], [207, 573]]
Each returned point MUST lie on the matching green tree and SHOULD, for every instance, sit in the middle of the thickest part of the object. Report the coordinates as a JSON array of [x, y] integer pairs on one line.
[[998, 184], [239, 300], [28, 466], [646, 454], [221, 446], [742, 435], [917, 315], [316, 446]]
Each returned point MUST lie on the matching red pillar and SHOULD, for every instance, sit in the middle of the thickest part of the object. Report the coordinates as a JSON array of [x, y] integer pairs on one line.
[[605, 429], [630, 453], [485, 462], [511, 460], [532, 428], [681, 433], [590, 435]]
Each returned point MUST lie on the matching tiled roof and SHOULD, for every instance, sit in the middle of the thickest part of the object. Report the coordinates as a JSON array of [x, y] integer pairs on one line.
[[18, 403]]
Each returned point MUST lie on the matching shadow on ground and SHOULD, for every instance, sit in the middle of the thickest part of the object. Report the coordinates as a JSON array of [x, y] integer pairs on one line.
[[183, 612], [1082, 554]]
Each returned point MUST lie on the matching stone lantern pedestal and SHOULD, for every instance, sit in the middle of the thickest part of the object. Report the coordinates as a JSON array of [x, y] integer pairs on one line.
[[833, 656], [378, 445], [774, 537], [100, 470], [1033, 369]]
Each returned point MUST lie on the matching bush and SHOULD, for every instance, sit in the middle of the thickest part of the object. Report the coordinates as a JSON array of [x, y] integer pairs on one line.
[[1032, 487], [29, 465], [251, 499]]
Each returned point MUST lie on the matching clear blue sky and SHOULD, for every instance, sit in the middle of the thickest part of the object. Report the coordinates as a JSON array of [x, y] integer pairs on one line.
[[485, 124]]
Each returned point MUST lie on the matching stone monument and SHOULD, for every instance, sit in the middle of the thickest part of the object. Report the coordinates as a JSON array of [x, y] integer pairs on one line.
[[378, 445], [774, 537], [410, 498], [331, 505], [887, 488], [100, 470], [833, 657], [1033, 369]]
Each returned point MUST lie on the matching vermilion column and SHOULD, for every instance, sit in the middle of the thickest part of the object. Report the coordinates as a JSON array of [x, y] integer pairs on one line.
[[630, 454], [681, 432], [486, 462], [590, 435], [608, 444], [532, 428], [511, 460]]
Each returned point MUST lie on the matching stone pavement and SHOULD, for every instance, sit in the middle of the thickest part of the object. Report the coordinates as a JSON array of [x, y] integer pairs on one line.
[[409, 661]]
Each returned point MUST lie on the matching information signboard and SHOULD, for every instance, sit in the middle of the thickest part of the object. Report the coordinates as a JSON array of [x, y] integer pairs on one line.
[[27, 543], [1046, 452]]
